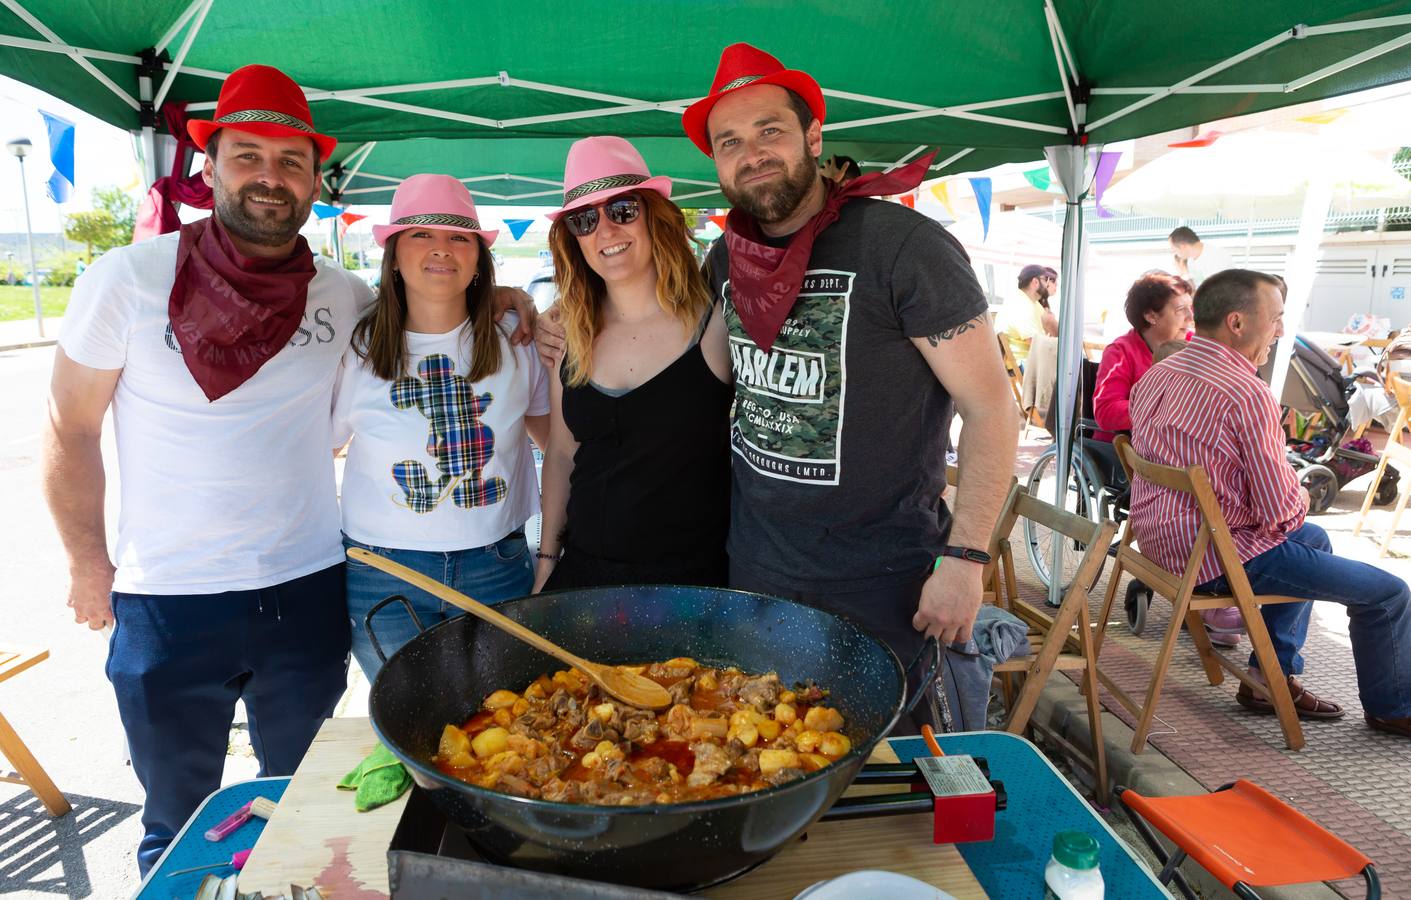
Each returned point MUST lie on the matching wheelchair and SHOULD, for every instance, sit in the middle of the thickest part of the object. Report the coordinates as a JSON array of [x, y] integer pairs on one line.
[[1096, 488]]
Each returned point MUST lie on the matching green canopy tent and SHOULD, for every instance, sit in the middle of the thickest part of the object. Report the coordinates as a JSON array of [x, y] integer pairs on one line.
[[493, 93]]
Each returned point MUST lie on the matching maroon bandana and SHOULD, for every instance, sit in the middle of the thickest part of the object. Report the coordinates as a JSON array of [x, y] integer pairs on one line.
[[231, 313], [765, 280]]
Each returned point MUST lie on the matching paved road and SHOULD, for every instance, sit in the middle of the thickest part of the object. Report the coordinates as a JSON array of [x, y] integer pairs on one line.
[[64, 708]]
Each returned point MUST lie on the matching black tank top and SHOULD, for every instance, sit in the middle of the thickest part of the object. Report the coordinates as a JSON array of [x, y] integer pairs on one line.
[[651, 477]]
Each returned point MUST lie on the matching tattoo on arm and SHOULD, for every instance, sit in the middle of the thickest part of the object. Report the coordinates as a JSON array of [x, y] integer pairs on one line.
[[935, 339]]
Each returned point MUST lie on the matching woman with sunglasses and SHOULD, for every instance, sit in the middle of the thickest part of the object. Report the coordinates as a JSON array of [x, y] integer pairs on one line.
[[636, 481], [439, 475]]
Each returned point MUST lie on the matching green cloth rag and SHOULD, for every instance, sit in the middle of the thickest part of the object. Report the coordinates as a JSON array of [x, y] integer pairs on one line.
[[379, 779]]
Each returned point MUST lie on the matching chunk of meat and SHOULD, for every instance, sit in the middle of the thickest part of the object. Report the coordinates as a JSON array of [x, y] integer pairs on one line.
[[681, 691], [562, 703], [642, 731], [589, 735], [545, 769], [712, 761], [513, 784], [749, 761], [783, 776], [654, 768], [559, 791], [761, 691]]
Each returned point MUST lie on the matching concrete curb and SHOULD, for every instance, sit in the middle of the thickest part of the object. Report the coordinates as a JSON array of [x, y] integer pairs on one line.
[[1062, 711], [42, 342]]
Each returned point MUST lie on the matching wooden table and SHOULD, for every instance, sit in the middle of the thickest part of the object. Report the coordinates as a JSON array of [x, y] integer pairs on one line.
[[316, 837]]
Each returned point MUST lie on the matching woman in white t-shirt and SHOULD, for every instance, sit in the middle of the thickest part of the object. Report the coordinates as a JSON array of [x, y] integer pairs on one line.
[[440, 408]]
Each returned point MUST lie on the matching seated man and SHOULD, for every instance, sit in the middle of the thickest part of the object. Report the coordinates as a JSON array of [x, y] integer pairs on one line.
[[1205, 406], [1026, 313]]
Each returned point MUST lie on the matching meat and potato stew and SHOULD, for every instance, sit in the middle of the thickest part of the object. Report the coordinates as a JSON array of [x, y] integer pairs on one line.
[[727, 733]]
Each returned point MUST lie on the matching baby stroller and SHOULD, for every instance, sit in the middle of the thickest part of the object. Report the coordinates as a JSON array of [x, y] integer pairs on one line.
[[1326, 459]]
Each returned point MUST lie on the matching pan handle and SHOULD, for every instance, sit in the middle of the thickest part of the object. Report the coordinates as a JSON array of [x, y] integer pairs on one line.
[[932, 649], [367, 621]]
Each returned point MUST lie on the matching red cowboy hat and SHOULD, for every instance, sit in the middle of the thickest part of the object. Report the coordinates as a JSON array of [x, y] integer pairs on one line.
[[262, 100], [744, 66]]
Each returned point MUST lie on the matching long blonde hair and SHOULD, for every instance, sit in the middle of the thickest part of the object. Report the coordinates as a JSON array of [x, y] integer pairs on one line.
[[681, 291], [380, 338]]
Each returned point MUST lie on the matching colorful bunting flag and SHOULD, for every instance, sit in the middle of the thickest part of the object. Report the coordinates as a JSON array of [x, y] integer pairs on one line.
[[1204, 140], [1102, 177], [941, 191], [1040, 178], [984, 190], [719, 221], [517, 227], [908, 200], [61, 155], [346, 219], [326, 210]]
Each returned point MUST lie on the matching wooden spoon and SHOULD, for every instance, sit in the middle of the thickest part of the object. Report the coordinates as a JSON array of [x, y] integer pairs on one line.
[[632, 689]]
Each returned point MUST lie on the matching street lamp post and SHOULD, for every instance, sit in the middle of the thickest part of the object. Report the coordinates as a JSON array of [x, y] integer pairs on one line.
[[19, 147]]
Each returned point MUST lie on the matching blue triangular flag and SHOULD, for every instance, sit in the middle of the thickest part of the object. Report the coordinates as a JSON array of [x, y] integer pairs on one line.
[[61, 155], [517, 227], [326, 211], [984, 189]]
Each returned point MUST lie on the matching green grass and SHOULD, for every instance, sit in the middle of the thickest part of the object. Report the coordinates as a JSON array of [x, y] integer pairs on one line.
[[17, 301]]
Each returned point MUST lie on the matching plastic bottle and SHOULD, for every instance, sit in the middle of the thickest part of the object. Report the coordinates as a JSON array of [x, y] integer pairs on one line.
[[1072, 873]]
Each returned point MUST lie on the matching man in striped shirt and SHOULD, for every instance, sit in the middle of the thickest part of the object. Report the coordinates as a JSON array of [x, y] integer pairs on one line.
[[1207, 406]]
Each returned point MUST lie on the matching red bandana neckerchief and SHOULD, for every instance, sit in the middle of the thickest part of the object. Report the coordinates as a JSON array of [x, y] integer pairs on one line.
[[765, 280], [231, 313]]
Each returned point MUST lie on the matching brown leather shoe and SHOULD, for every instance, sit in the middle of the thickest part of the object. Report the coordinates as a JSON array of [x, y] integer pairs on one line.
[[1307, 704], [1400, 727]]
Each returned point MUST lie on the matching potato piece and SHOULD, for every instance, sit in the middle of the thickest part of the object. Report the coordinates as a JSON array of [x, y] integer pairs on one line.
[[708, 728], [591, 760], [521, 706], [462, 761], [812, 762], [541, 688], [834, 745], [745, 717], [681, 662], [453, 742], [746, 734], [603, 711], [808, 741], [500, 700], [768, 729], [771, 761], [821, 718], [787, 697], [490, 741], [706, 681], [785, 714], [502, 717]]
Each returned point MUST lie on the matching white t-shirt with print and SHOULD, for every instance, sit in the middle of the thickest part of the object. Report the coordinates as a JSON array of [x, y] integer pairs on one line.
[[438, 462], [235, 494]]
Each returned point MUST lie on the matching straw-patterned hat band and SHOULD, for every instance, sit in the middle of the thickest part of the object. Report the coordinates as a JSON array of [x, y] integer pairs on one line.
[[603, 184]]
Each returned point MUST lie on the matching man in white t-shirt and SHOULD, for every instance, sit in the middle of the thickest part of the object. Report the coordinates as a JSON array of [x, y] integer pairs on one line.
[[217, 349], [1194, 259]]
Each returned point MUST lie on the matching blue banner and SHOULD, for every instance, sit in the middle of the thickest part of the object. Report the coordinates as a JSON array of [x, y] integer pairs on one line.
[[61, 155], [984, 189], [517, 227], [326, 210]]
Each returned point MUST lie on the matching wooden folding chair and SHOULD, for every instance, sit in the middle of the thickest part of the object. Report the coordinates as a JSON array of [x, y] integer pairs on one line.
[[1016, 383], [1401, 390], [1064, 640], [1186, 605], [29, 772]]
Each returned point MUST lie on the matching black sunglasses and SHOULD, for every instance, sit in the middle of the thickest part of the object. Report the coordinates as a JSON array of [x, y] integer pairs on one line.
[[622, 211]]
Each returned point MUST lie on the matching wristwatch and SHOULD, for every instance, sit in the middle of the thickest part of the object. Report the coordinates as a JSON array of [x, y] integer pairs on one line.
[[969, 554]]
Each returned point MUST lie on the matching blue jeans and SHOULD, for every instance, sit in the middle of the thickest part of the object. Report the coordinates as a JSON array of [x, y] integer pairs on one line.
[[1378, 604], [178, 663], [499, 571]]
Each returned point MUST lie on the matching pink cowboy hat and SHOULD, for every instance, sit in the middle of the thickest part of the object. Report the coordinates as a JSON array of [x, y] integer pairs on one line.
[[433, 201], [600, 168]]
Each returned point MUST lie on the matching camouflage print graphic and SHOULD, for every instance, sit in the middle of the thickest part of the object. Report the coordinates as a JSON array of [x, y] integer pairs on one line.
[[788, 413]]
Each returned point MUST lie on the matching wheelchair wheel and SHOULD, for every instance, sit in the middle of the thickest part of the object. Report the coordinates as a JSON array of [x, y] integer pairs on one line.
[[1080, 496], [1137, 602]]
